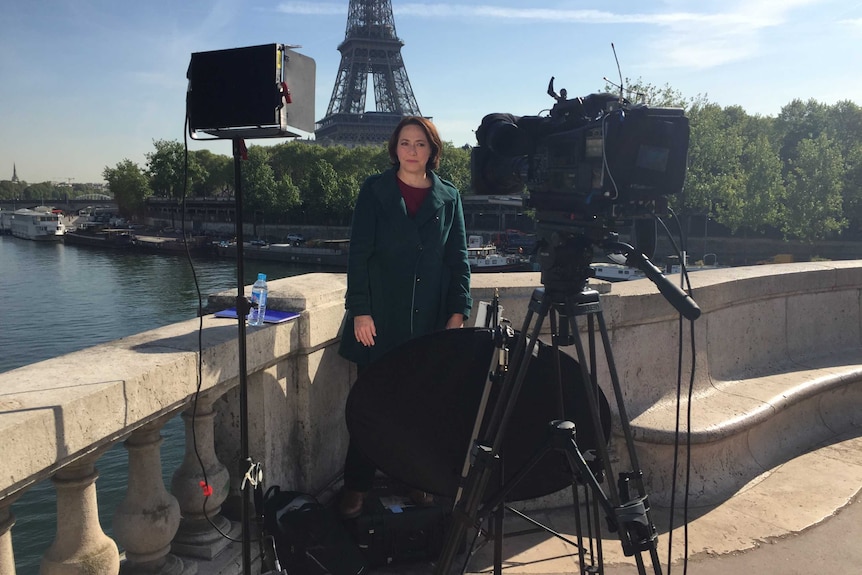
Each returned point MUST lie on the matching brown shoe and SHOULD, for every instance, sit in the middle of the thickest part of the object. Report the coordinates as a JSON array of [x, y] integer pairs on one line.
[[350, 504], [418, 497]]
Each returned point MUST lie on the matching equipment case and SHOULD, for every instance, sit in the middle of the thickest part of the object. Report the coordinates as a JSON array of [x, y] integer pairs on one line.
[[392, 529]]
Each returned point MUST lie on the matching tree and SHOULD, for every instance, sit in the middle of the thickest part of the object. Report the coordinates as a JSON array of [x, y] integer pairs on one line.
[[321, 191], [799, 121], [258, 184], [852, 189], [641, 92], [10, 190], [129, 186], [455, 166], [287, 198], [764, 187], [39, 192], [813, 205], [219, 177], [166, 169], [715, 182]]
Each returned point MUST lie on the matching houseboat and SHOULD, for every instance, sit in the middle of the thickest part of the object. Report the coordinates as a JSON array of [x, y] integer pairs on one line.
[[39, 223]]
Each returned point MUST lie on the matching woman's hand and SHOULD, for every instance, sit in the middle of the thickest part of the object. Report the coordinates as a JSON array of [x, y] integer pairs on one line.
[[456, 320], [364, 330]]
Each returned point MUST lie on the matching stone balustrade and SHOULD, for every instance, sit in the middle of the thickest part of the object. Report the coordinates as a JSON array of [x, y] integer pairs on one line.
[[58, 417]]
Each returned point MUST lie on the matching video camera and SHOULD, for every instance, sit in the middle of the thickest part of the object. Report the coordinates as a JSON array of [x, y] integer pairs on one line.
[[594, 161], [593, 164]]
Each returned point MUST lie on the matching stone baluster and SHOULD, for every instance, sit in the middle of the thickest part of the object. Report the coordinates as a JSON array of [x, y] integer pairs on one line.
[[146, 521], [201, 529], [7, 520], [80, 546]]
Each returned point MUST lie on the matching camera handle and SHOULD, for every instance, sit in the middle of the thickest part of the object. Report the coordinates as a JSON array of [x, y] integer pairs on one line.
[[674, 294]]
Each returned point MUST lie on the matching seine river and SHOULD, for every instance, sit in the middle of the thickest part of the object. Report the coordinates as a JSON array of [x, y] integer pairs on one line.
[[59, 299]]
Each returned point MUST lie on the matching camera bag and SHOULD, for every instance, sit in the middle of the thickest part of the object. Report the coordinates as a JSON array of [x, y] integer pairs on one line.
[[302, 537], [392, 530]]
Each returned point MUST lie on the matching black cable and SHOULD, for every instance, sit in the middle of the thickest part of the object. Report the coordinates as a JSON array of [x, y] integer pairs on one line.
[[675, 466], [199, 374]]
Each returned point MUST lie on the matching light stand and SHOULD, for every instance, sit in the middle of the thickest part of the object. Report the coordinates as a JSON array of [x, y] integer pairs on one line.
[[242, 309], [264, 91]]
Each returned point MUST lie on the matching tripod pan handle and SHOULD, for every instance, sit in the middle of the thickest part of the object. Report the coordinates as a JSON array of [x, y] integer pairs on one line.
[[674, 294]]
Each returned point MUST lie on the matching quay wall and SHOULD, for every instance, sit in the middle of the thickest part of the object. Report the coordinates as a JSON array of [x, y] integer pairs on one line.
[[58, 416]]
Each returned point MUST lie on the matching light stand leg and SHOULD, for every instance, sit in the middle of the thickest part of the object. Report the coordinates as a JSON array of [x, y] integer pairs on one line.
[[242, 308], [478, 473]]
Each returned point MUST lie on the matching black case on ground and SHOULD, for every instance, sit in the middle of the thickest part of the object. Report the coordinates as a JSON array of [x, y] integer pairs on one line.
[[306, 537], [393, 530]]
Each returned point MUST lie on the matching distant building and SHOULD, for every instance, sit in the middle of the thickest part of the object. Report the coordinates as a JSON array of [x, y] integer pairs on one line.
[[14, 173]]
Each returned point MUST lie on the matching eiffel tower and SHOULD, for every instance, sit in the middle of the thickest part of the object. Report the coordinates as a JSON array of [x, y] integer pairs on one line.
[[370, 48]]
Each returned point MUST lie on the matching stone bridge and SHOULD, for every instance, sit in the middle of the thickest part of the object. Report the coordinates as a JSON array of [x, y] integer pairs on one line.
[[777, 357]]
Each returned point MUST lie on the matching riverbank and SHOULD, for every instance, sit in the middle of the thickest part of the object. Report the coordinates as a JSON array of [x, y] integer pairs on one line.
[[725, 251]]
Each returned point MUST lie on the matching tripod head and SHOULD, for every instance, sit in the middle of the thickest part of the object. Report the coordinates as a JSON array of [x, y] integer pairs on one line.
[[565, 257]]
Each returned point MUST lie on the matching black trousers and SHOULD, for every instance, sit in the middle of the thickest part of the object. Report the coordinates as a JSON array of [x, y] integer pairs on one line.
[[358, 469]]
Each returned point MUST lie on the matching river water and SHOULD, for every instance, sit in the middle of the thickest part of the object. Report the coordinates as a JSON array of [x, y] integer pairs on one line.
[[58, 299]]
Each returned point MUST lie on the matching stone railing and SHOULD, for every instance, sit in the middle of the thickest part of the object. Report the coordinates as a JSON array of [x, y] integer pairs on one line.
[[60, 416]]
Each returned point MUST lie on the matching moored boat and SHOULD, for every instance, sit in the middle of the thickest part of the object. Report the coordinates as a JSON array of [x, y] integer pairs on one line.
[[97, 235], [39, 223], [195, 245], [332, 253], [488, 259], [616, 272]]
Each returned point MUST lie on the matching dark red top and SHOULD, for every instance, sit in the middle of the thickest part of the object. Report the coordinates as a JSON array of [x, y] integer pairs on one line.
[[413, 197]]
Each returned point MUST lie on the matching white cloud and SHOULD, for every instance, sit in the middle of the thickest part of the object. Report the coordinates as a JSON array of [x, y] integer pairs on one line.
[[855, 24], [687, 34], [313, 8]]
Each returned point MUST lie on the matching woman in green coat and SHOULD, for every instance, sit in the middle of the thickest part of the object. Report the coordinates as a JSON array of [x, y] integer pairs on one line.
[[407, 273]]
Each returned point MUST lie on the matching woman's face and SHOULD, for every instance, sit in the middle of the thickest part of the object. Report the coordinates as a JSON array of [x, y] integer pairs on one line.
[[413, 149]]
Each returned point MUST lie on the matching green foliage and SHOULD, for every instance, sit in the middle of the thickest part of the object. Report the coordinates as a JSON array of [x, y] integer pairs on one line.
[[455, 167], [259, 187], [799, 173], [641, 92], [813, 205], [217, 177], [10, 190], [715, 178], [129, 186], [166, 169], [759, 205]]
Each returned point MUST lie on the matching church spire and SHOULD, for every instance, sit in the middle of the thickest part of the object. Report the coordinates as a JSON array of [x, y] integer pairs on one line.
[[14, 173]]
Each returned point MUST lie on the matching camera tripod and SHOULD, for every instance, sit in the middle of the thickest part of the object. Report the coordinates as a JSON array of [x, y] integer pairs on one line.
[[563, 300]]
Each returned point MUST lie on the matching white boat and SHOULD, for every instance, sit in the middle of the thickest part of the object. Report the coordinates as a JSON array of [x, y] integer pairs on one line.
[[616, 272], [39, 224], [488, 259]]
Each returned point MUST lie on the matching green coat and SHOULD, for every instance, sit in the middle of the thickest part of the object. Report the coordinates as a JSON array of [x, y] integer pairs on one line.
[[409, 274]]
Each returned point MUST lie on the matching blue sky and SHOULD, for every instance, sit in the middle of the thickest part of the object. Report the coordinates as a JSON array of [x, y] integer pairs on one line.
[[85, 84]]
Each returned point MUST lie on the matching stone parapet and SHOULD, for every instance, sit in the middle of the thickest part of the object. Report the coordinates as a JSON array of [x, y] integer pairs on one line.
[[785, 339]]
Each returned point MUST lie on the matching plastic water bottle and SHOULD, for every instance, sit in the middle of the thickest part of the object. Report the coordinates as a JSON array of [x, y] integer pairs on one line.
[[258, 301]]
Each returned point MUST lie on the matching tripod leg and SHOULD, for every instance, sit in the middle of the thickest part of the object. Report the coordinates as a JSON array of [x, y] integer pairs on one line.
[[624, 419], [635, 535], [498, 540]]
